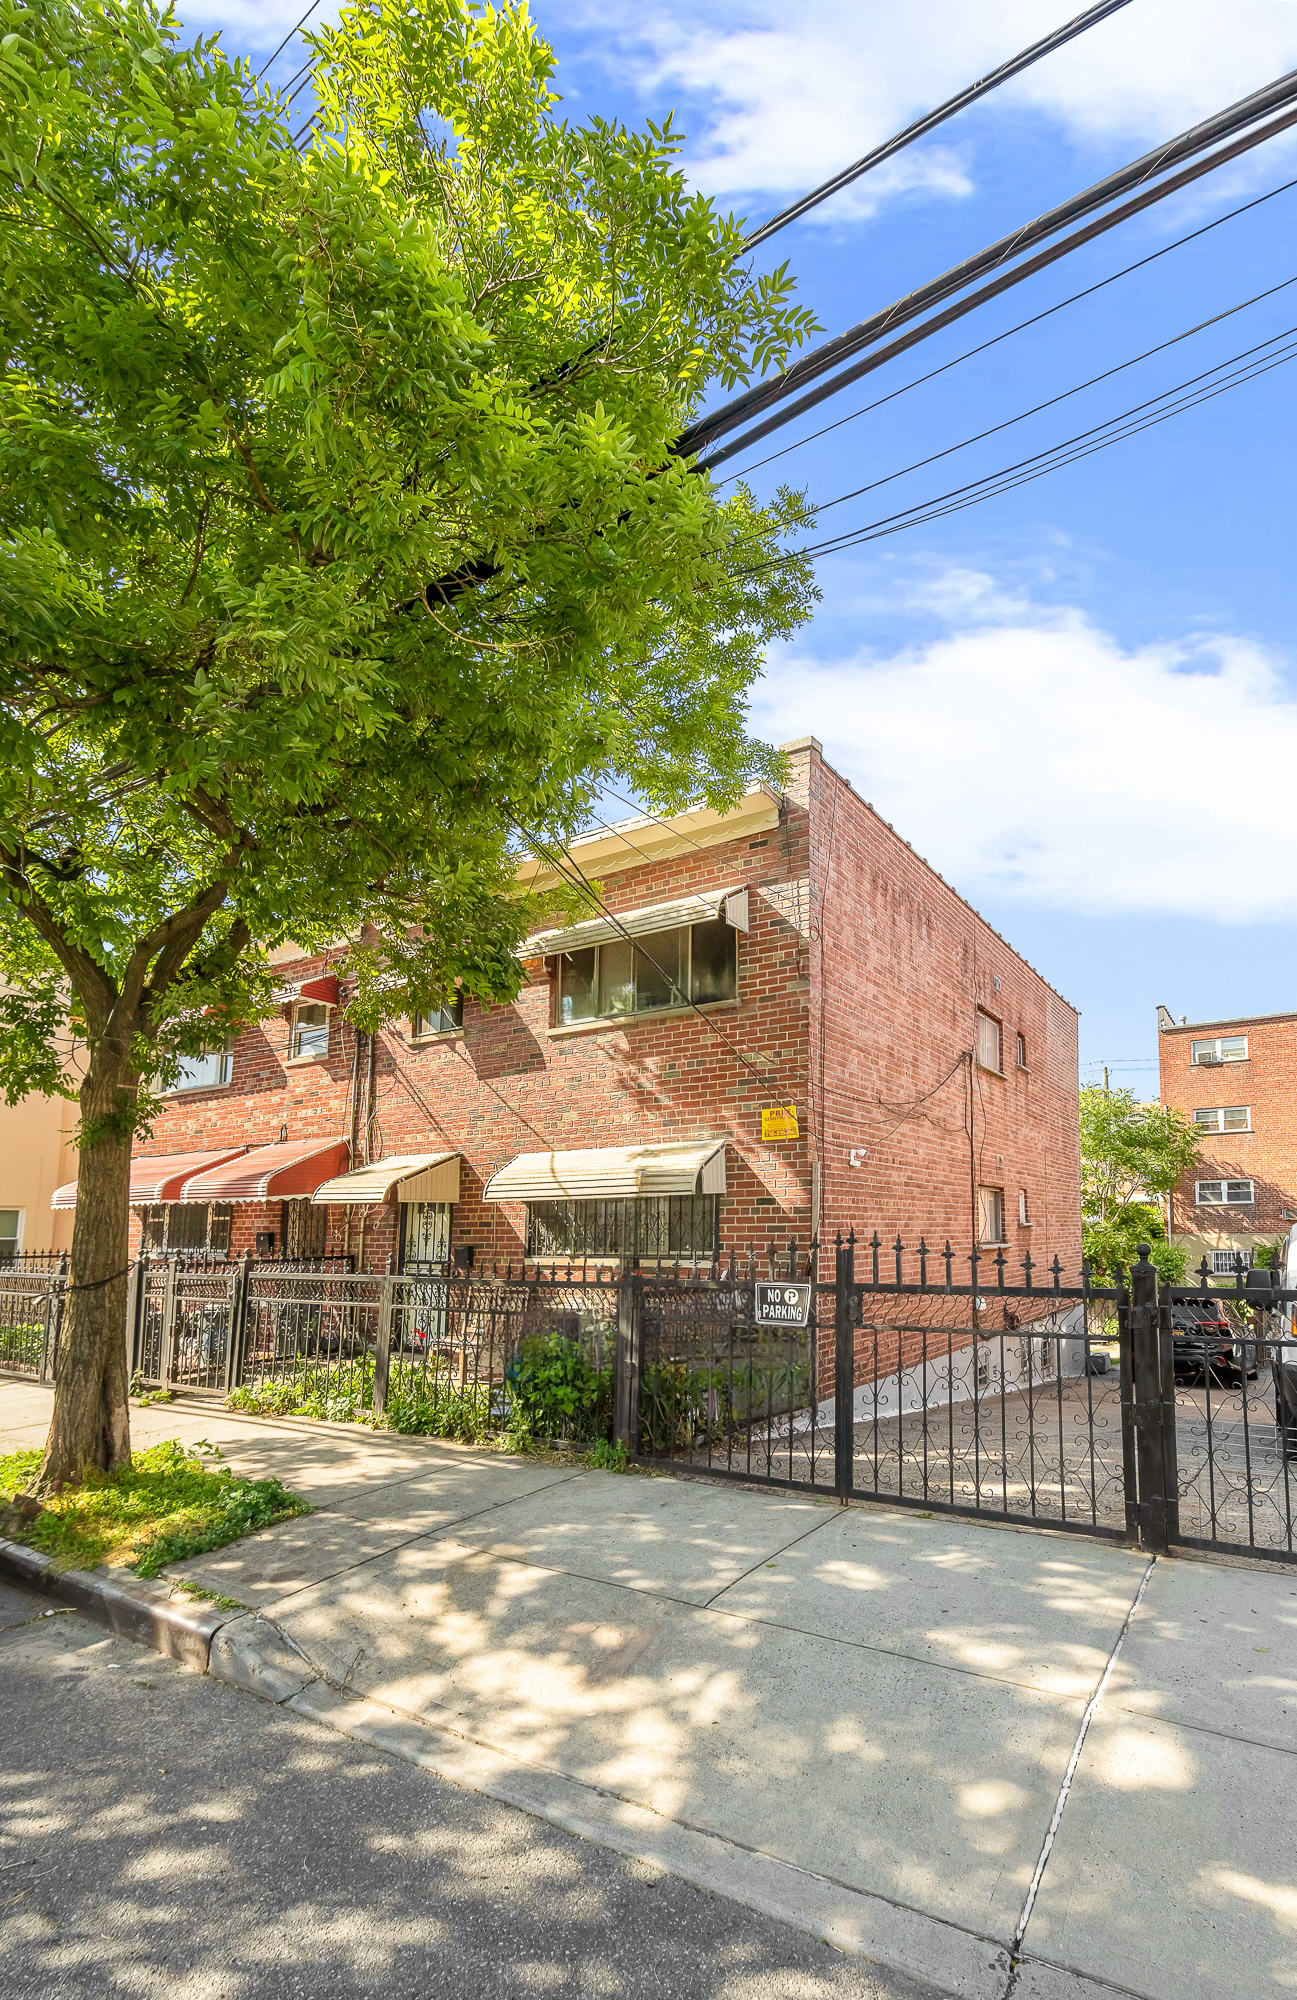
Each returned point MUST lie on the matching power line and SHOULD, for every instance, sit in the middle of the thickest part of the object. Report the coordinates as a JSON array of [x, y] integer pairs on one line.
[[1278, 95], [1077, 389], [929, 122], [1024, 471], [287, 39], [1021, 327]]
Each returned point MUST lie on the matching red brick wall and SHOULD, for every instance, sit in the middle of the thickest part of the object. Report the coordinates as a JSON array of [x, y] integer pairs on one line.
[[1267, 1155], [899, 964], [857, 984]]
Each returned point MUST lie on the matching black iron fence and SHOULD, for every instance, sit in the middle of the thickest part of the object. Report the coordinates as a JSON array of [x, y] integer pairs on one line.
[[1166, 1415]]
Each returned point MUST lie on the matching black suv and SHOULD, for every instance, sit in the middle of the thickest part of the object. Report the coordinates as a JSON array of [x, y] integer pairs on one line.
[[1203, 1338]]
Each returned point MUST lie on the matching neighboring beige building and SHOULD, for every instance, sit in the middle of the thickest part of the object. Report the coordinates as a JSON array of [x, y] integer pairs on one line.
[[37, 1155]]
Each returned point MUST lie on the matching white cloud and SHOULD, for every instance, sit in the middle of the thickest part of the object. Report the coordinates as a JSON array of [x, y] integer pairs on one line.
[[786, 106], [1039, 758]]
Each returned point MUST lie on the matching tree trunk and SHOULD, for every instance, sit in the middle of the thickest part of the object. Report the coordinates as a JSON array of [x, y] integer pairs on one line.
[[91, 1422]]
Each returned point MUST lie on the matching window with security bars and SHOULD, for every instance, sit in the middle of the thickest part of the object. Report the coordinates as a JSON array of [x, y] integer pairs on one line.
[[988, 1042], [188, 1225], [1223, 1194], [1224, 1263], [695, 962], [1224, 1118], [306, 1230], [425, 1235], [673, 1228]]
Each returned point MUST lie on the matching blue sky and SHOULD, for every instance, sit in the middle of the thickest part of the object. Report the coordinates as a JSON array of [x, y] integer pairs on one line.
[[1079, 699]]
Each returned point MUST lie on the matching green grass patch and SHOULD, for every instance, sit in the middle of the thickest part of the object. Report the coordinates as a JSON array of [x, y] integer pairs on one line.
[[168, 1505]]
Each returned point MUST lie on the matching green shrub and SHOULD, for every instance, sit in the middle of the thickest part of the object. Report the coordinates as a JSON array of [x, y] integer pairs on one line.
[[556, 1390], [21, 1346], [313, 1389], [430, 1406]]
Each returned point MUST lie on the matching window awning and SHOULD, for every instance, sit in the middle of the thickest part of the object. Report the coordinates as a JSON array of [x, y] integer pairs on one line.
[[158, 1176], [324, 986], [415, 1177], [701, 909], [296, 1167], [595, 1173]]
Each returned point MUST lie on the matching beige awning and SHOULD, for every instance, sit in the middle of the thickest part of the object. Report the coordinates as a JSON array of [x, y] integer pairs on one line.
[[595, 1173], [415, 1177], [701, 909]]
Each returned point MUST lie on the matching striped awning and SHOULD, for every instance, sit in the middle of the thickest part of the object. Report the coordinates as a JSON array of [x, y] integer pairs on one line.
[[414, 1176], [594, 1173], [701, 909], [158, 1176], [295, 1167]]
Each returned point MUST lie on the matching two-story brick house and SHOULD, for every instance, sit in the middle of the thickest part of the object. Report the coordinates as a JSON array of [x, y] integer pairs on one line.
[[1237, 1080], [774, 1019]]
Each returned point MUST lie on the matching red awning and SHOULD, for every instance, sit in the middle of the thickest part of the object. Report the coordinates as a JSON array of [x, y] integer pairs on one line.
[[324, 986], [158, 1176], [271, 1173]]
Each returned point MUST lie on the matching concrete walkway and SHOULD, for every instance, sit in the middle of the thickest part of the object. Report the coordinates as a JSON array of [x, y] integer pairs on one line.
[[863, 1721]]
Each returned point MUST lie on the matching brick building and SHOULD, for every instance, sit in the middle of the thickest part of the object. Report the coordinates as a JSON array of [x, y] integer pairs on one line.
[[792, 955], [1237, 1080]]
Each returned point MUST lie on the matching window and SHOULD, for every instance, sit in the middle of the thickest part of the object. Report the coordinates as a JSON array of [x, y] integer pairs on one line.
[[1224, 1263], [990, 1215], [1022, 1052], [205, 1072], [425, 1234], [988, 1042], [1024, 1209], [310, 1029], [188, 1225], [441, 1020], [306, 1230], [11, 1234], [1220, 1049], [673, 1228], [696, 962], [1216, 1194], [1224, 1118]]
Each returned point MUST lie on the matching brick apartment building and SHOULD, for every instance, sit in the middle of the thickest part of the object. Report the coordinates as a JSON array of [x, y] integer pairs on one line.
[[1237, 1080], [792, 954]]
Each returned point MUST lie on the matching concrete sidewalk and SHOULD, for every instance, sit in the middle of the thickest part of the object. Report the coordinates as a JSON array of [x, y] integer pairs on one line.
[[862, 1721]]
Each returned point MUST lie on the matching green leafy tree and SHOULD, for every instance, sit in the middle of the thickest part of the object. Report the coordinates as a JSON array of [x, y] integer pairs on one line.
[[1132, 1156], [343, 546]]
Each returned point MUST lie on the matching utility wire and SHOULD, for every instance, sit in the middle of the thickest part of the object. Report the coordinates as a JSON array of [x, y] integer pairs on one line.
[[1008, 333], [1276, 96], [822, 507], [929, 122], [1083, 445], [287, 39]]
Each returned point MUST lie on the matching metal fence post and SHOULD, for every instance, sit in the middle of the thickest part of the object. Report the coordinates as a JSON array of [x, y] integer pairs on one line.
[[1170, 1455], [166, 1344], [54, 1303], [1126, 1368], [383, 1341], [626, 1364], [844, 1368], [238, 1323], [1150, 1410]]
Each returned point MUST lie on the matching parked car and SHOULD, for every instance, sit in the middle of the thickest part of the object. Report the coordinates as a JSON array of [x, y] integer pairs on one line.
[[1204, 1341]]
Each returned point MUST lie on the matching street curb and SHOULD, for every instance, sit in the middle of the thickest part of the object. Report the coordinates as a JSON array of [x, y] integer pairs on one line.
[[149, 1614]]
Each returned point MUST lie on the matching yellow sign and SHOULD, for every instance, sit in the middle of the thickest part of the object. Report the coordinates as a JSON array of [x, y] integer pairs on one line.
[[779, 1121]]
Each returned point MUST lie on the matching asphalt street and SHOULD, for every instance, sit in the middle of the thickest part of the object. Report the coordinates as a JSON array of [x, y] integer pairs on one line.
[[163, 1834]]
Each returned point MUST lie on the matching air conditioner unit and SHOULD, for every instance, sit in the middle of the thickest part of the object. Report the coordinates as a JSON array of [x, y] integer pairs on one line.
[[1210, 1062]]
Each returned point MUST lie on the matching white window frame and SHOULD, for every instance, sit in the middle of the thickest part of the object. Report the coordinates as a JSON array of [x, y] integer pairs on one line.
[[1022, 1050], [421, 1032], [225, 1064], [17, 1239], [1220, 1112], [989, 1201], [1222, 1261], [1224, 1199], [683, 994], [1217, 1045], [295, 1052], [983, 1021], [1024, 1209]]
